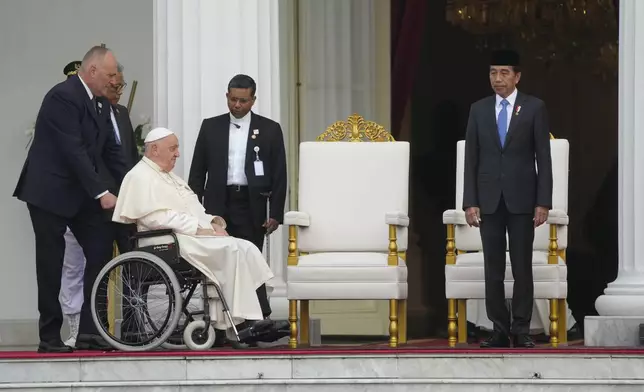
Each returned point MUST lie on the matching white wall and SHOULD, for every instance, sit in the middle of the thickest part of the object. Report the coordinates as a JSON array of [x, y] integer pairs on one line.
[[37, 39]]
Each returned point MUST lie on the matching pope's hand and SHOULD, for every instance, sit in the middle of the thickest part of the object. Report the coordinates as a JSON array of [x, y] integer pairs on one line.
[[219, 230], [201, 231], [108, 201]]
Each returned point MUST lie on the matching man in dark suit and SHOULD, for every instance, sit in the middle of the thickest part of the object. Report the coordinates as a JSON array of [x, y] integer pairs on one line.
[[121, 125], [74, 262], [506, 133], [62, 187], [244, 158]]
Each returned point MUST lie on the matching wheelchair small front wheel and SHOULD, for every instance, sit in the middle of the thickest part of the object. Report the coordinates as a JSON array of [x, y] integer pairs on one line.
[[197, 337]]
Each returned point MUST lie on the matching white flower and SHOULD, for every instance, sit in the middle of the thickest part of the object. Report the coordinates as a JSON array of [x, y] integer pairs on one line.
[[146, 129]]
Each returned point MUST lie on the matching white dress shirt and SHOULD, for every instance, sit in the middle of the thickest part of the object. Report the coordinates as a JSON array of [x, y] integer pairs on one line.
[[237, 142], [510, 108], [91, 96], [89, 92], [117, 134]]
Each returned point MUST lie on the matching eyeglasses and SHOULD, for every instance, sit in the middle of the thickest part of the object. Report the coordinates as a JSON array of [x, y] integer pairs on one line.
[[119, 87]]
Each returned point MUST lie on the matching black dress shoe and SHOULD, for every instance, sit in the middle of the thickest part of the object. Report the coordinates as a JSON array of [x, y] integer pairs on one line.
[[220, 338], [523, 341], [92, 342], [54, 347], [497, 340]]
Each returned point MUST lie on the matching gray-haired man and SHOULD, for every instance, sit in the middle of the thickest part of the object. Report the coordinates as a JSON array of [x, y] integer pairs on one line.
[[71, 292]]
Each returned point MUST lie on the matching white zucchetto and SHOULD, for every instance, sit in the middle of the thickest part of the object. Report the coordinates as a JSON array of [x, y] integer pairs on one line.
[[156, 134]]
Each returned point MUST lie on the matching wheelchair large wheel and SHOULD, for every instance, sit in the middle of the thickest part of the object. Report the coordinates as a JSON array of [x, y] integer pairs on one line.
[[133, 285]]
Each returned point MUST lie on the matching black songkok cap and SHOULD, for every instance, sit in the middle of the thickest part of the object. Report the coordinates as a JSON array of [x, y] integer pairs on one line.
[[71, 68], [505, 57]]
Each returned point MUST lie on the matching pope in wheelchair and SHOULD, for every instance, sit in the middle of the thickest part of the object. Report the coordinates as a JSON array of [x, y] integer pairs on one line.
[[178, 249]]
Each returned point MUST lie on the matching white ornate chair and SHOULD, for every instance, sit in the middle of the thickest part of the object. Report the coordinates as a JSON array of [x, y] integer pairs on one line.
[[464, 275], [349, 237]]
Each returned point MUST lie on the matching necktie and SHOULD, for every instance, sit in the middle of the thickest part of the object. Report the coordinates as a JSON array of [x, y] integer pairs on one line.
[[502, 121], [96, 106]]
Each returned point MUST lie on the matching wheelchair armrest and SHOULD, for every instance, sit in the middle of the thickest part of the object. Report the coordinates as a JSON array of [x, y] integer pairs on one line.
[[152, 233]]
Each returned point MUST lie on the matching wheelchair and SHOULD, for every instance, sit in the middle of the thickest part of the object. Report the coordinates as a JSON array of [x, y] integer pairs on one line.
[[151, 297]]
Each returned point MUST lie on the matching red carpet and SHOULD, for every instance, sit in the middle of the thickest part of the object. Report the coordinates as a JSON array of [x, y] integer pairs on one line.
[[426, 346]]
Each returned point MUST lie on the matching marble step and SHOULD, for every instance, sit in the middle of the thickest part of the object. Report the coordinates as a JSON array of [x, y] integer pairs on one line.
[[348, 385], [313, 373]]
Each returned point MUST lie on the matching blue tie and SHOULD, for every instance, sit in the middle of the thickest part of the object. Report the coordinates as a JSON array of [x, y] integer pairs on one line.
[[502, 122]]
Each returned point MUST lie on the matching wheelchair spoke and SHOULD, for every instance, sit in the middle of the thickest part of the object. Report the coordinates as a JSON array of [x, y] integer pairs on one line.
[[142, 300]]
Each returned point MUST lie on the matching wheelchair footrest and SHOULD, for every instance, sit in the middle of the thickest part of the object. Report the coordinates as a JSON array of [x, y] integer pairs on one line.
[[265, 331]]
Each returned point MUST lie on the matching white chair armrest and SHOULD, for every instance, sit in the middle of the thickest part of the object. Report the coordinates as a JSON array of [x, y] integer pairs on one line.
[[557, 217], [454, 217], [397, 218], [297, 218]]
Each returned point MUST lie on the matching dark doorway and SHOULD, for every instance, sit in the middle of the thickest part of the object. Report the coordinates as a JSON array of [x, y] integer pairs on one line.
[[573, 70]]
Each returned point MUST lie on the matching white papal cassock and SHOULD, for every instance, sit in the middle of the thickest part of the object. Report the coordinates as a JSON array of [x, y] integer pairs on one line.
[[154, 199]]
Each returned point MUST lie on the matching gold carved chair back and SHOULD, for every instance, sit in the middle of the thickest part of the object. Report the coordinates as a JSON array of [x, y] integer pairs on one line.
[[355, 129]]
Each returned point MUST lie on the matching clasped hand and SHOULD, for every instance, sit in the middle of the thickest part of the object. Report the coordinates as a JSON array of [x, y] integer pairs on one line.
[[216, 230]]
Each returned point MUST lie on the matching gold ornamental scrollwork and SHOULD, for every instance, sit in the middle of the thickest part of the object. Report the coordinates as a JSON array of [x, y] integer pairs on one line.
[[355, 129]]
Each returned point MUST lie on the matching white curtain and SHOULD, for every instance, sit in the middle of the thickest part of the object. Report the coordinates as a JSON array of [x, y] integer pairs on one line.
[[337, 55]]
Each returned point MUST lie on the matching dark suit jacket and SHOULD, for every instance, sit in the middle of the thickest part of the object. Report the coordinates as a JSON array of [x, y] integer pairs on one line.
[[70, 142], [127, 147], [211, 158], [128, 143], [492, 170]]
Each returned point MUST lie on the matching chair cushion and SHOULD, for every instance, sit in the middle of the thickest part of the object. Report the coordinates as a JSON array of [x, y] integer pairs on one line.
[[351, 275], [466, 278], [347, 189]]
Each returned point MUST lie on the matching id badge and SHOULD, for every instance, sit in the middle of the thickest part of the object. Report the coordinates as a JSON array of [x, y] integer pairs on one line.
[[259, 165], [259, 168]]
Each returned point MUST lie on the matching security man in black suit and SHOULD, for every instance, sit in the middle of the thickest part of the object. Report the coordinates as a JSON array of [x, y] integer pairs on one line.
[[506, 133], [62, 187], [244, 157]]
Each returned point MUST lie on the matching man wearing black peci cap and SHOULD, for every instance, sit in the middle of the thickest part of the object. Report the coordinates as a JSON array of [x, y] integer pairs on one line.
[[506, 133]]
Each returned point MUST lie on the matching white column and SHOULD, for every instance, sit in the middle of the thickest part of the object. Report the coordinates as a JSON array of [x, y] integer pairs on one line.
[[199, 45], [625, 296]]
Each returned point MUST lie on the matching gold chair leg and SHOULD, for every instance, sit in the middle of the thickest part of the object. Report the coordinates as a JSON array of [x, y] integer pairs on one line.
[[563, 322], [393, 323], [462, 320], [554, 323], [292, 318], [304, 323], [402, 321], [452, 328]]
